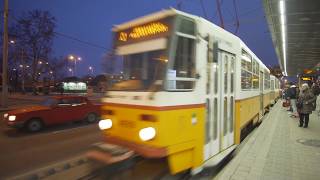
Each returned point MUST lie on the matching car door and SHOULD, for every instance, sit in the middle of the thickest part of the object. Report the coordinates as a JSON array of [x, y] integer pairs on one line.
[[63, 110], [79, 108]]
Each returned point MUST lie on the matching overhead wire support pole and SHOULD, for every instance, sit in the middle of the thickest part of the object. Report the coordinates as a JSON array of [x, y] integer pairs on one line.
[[220, 14], [4, 95], [237, 17]]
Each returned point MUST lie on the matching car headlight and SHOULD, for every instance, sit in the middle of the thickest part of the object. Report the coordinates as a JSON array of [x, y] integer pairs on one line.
[[12, 118], [146, 134], [5, 115], [105, 124]]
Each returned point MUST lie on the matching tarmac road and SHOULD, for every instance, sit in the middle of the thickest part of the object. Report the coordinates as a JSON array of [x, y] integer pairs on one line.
[[21, 151]]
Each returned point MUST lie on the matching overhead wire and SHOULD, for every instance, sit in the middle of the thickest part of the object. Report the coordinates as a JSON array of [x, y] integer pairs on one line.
[[79, 40], [203, 9], [220, 14]]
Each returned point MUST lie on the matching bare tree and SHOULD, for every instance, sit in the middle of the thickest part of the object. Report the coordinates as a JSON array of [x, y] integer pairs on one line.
[[57, 68], [35, 33]]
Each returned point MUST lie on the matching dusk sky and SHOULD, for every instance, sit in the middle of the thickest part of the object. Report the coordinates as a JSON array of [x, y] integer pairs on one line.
[[92, 20]]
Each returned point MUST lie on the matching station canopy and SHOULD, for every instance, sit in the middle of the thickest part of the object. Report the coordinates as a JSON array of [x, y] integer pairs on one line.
[[295, 29]]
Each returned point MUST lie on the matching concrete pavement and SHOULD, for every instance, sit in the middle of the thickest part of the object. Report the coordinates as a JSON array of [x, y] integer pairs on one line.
[[278, 149]]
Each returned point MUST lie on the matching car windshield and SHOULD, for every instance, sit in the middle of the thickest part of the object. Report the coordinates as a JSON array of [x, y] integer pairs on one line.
[[141, 70], [48, 102]]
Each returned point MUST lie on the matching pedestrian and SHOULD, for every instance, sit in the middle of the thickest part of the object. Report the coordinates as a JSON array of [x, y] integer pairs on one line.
[[292, 94], [286, 97], [316, 92], [306, 98], [283, 93]]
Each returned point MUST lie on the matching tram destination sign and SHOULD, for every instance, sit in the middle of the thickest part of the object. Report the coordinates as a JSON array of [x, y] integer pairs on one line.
[[147, 31]]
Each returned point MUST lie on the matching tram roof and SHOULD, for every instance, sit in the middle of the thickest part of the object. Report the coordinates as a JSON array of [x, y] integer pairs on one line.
[[150, 17], [295, 31]]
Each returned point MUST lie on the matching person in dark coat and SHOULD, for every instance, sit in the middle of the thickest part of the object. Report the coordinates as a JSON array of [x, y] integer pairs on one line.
[[292, 94], [306, 98]]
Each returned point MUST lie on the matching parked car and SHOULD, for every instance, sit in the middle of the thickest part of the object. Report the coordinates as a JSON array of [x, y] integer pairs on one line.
[[54, 110]]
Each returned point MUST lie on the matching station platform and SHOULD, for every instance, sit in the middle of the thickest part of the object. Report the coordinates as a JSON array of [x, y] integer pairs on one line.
[[278, 149]]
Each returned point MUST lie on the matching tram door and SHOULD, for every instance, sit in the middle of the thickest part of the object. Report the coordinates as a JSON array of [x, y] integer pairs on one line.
[[220, 105], [261, 93], [226, 61], [212, 140]]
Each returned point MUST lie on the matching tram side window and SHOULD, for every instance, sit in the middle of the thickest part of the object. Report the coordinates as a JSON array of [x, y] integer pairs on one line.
[[186, 26], [255, 75], [276, 84], [272, 85], [184, 62], [246, 75], [266, 80], [246, 71], [245, 79]]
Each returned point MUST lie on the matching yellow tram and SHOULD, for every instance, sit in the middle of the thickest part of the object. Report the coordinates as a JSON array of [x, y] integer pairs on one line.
[[189, 90]]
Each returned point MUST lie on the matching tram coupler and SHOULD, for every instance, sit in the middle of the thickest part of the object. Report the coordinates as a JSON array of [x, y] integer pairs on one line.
[[109, 154]]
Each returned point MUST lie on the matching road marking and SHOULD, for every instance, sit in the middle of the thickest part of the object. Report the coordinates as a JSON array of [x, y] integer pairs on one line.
[[71, 129]]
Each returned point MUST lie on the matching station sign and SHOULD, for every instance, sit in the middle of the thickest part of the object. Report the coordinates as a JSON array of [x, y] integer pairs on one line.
[[74, 86]]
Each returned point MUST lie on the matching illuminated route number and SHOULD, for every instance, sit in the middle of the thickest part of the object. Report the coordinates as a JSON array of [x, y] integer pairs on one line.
[[123, 36], [147, 30]]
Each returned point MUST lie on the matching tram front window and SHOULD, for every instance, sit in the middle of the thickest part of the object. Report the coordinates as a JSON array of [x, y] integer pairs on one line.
[[142, 70]]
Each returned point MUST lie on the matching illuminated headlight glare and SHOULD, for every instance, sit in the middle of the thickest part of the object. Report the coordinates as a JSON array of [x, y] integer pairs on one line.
[[105, 124], [146, 134], [5, 115], [12, 118]]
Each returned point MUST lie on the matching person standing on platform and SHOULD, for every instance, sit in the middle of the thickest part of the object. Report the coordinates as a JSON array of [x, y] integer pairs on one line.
[[316, 91], [306, 99], [292, 94]]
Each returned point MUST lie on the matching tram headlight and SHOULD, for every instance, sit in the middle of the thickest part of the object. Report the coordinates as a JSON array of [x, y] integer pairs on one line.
[[105, 124], [146, 134], [5, 115], [12, 118]]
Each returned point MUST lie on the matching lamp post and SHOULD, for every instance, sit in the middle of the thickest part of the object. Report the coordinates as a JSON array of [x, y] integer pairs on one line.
[[4, 95], [74, 59]]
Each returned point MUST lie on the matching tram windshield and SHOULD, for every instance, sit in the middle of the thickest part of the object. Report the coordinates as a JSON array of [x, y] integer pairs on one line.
[[142, 70], [145, 50]]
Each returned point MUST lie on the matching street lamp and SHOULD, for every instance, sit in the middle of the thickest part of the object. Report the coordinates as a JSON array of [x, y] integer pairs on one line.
[[91, 69], [74, 58], [70, 70], [71, 57]]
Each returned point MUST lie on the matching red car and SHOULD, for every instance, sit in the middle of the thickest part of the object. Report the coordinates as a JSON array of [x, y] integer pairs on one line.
[[54, 110]]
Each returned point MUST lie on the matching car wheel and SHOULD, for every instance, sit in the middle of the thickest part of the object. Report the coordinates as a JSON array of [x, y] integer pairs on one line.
[[91, 118], [34, 125]]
